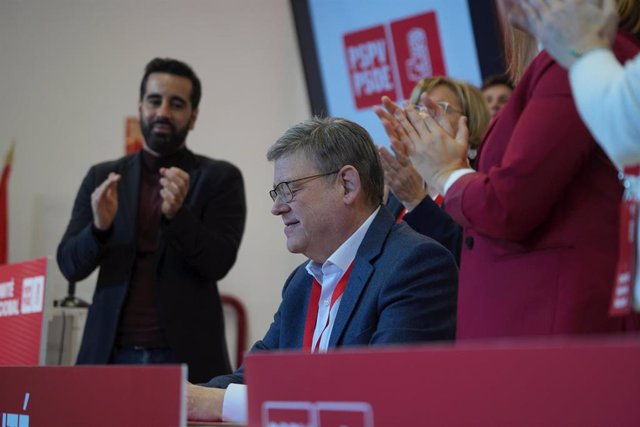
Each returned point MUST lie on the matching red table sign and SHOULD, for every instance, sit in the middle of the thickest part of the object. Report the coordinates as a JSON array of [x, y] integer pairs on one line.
[[95, 396], [568, 383]]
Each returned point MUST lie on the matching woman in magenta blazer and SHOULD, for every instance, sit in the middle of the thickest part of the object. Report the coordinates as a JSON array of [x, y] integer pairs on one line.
[[540, 215]]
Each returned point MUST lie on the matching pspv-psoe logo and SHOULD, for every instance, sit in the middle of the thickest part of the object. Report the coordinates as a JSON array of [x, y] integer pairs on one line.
[[315, 414], [389, 59]]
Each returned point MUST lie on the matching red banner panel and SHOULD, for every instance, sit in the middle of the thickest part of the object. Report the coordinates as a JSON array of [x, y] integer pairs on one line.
[[389, 59], [418, 50], [22, 296], [370, 66]]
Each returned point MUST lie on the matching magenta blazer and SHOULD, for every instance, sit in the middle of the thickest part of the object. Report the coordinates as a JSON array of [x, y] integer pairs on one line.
[[540, 217]]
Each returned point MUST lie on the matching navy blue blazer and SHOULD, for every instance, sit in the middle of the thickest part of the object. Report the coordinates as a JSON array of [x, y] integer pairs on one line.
[[195, 249], [402, 289], [431, 220]]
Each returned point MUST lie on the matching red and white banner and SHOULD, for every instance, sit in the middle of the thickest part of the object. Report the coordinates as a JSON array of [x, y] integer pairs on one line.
[[22, 301], [389, 59]]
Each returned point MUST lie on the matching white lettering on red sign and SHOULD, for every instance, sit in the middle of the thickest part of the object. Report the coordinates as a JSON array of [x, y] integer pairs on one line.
[[32, 295], [6, 289], [366, 55], [373, 81], [371, 72], [9, 307]]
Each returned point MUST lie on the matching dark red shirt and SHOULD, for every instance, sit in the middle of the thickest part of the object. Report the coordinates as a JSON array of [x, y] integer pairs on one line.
[[140, 322]]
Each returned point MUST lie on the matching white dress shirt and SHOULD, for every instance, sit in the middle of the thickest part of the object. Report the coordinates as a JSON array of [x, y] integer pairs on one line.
[[607, 96], [234, 405]]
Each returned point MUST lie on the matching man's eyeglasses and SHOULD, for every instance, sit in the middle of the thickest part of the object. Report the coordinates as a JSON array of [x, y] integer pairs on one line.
[[444, 105], [284, 192]]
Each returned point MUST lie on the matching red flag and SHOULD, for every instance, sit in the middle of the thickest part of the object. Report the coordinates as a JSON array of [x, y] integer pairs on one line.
[[133, 135], [4, 197]]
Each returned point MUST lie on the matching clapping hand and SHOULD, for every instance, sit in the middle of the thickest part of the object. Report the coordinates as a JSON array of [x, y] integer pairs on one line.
[[175, 186], [425, 137], [104, 202], [566, 28]]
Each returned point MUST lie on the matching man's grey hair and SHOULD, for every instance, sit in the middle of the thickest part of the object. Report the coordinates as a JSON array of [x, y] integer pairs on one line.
[[331, 143]]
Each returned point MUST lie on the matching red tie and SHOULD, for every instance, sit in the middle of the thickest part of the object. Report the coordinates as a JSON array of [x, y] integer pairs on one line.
[[312, 311]]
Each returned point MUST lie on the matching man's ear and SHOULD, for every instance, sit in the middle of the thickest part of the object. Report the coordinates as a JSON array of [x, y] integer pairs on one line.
[[194, 117], [351, 185]]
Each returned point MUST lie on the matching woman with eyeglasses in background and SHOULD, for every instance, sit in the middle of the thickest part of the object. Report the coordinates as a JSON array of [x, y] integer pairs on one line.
[[420, 208]]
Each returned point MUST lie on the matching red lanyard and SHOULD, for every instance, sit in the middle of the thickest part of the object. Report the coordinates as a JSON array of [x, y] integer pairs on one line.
[[401, 215], [312, 310], [622, 295]]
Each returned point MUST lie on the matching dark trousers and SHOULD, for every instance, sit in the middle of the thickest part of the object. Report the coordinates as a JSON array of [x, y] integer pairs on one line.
[[142, 356]]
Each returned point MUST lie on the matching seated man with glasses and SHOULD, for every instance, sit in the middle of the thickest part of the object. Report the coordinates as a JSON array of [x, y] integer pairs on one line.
[[368, 280]]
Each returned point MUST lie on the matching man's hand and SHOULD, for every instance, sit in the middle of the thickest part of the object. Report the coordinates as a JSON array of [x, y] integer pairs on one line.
[[566, 28], [104, 202], [175, 186], [204, 403]]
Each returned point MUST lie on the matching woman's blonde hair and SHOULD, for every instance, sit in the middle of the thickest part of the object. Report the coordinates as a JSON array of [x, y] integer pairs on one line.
[[629, 13], [521, 48], [471, 101]]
